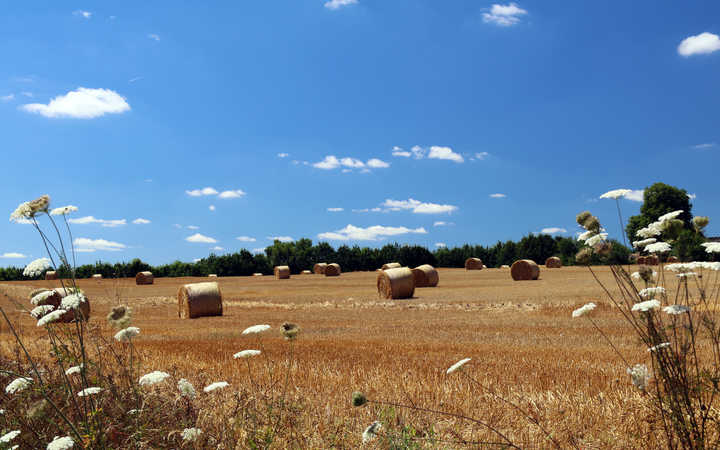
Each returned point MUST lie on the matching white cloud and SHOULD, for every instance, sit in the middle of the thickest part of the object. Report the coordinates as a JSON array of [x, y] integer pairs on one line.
[[258, 250], [201, 192], [193, 227], [217, 248], [700, 44], [440, 245], [83, 103], [83, 14], [283, 155], [635, 196], [237, 193], [377, 164], [330, 162], [140, 221], [7, 98], [437, 152], [498, 195], [418, 207], [692, 196], [281, 238], [202, 239], [352, 163], [87, 245], [335, 209], [553, 230], [442, 223], [482, 155], [211, 207], [245, 239], [418, 152], [504, 15], [197, 260], [373, 233], [177, 225], [346, 170], [132, 80], [337, 4], [153, 36], [106, 223], [399, 151], [705, 145], [13, 255]]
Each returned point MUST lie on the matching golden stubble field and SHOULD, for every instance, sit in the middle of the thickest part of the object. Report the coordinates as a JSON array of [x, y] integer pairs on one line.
[[522, 340]]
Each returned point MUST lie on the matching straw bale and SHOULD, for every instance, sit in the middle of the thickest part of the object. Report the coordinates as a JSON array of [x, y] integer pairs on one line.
[[319, 268], [641, 259], [395, 283], [504, 266], [425, 276], [51, 275], [97, 276], [652, 260], [392, 265], [524, 269], [473, 264], [306, 272], [56, 299], [199, 300], [257, 274], [672, 259], [144, 278], [333, 270], [212, 275], [282, 272], [553, 262]]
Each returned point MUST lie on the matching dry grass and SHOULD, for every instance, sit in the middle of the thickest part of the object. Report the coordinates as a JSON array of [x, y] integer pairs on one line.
[[520, 335]]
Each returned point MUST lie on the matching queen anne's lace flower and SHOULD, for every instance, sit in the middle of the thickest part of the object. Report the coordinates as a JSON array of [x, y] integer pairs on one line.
[[246, 354], [7, 437], [41, 310], [18, 385], [186, 388], [639, 376], [191, 434], [644, 242], [584, 236], [686, 274], [40, 298], [72, 301], [658, 247], [584, 310], [36, 267], [659, 346], [89, 391], [711, 247], [126, 334], [458, 365], [51, 317], [616, 193], [676, 309], [73, 370], [153, 378], [669, 216], [61, 443], [646, 306], [21, 213], [63, 210], [654, 229], [216, 385], [371, 431], [598, 238], [652, 292], [256, 329]]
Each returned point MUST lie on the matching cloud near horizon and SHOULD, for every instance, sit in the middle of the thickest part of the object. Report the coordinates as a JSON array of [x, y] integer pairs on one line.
[[200, 239], [373, 233], [140, 221], [106, 223], [83, 103], [553, 230], [88, 245], [417, 207], [13, 255], [331, 162]]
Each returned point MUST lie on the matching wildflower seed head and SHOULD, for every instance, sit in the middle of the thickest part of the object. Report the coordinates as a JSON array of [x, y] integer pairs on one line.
[[639, 376], [290, 331], [186, 388], [584, 256], [126, 334], [700, 222], [191, 434], [672, 228], [582, 217], [603, 248], [40, 204], [18, 385], [646, 273], [37, 410], [120, 316], [371, 431], [63, 211], [61, 443], [358, 399]]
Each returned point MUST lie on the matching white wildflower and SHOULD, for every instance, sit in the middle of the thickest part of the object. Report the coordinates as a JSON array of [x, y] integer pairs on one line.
[[371, 431], [644, 242], [676, 309], [584, 310], [2, 411], [216, 385], [711, 247], [669, 216], [639, 376], [616, 193], [646, 305], [36, 267], [89, 391], [256, 329], [72, 301], [658, 247], [191, 434], [21, 213], [186, 388], [63, 210], [686, 274], [17, 385], [649, 231], [652, 292], [598, 238], [126, 334], [584, 236], [61, 443], [40, 298], [41, 310], [681, 267], [73, 369], [7, 437], [246, 354], [658, 347], [51, 317], [153, 378], [458, 365], [635, 275]]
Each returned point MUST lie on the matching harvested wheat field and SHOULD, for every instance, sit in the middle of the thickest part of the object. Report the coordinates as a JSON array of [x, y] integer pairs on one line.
[[522, 340]]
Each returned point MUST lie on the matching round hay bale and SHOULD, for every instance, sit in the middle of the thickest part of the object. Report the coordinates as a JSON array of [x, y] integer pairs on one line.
[[282, 272], [56, 299], [51, 275], [35, 292], [307, 272], [473, 264], [392, 265], [257, 274], [504, 266], [319, 268], [652, 260], [672, 259], [212, 275], [641, 259], [425, 276], [397, 282], [199, 300], [144, 278], [553, 262], [524, 269], [333, 270], [633, 258], [97, 276]]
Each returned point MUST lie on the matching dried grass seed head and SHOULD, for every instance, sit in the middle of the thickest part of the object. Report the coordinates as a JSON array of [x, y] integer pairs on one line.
[[120, 316]]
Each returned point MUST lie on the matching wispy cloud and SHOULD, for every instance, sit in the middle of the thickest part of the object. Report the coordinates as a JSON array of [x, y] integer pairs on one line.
[[553, 230], [202, 192], [92, 245], [283, 155], [373, 233], [132, 80], [246, 239], [442, 223], [700, 44], [692, 196], [154, 37], [106, 223], [281, 238], [704, 146], [636, 195], [437, 152], [217, 248], [237, 193], [504, 15], [83, 14], [7, 98], [337, 4], [193, 227], [331, 162], [140, 221], [400, 152], [211, 207], [82, 103], [481, 155], [13, 255], [335, 209], [417, 206], [440, 245], [377, 164], [498, 195], [198, 238]]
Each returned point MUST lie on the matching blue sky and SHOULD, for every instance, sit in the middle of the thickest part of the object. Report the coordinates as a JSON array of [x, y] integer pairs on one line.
[[405, 114]]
